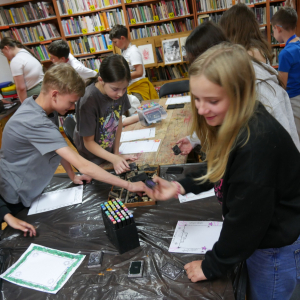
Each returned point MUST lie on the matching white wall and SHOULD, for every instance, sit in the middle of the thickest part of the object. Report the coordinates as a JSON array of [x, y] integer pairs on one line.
[[5, 73]]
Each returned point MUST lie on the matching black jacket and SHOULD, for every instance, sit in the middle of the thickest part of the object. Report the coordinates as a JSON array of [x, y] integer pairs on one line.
[[260, 193]]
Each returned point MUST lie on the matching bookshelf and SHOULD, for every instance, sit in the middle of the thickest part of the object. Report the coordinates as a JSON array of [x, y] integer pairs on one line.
[[85, 25]]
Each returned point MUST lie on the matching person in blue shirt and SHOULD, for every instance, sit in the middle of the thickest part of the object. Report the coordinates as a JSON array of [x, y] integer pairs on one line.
[[284, 24]]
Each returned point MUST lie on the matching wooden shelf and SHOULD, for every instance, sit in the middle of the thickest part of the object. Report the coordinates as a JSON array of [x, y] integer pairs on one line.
[[14, 3], [274, 1], [278, 45], [263, 25], [89, 54], [139, 2], [211, 11], [91, 11], [160, 21], [275, 67], [33, 22], [260, 3], [83, 34], [45, 61], [36, 43]]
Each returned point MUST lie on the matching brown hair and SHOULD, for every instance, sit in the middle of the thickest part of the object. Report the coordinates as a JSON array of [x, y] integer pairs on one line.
[[241, 27], [8, 41], [230, 67], [286, 17], [117, 31], [65, 79]]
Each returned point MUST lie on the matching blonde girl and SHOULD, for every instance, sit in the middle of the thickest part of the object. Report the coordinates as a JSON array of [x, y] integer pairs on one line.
[[260, 193]]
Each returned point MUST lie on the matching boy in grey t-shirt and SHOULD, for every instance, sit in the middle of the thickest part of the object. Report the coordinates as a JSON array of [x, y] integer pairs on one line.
[[32, 148]]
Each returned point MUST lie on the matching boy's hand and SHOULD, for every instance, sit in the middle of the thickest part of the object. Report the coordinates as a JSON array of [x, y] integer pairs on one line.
[[136, 187], [78, 179], [120, 164], [185, 146], [20, 225], [194, 271]]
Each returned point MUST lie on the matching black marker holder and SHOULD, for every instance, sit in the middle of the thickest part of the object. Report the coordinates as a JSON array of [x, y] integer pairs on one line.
[[125, 238]]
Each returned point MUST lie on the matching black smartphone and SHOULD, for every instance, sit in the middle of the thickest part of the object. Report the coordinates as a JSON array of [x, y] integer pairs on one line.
[[136, 269]]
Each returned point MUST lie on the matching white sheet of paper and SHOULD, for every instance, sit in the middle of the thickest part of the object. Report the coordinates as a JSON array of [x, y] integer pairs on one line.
[[178, 100], [139, 147], [191, 196], [137, 135], [43, 269], [195, 236], [57, 199]]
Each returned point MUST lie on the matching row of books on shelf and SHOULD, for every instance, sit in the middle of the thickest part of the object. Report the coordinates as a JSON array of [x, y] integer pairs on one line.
[[32, 34], [90, 44], [77, 6], [274, 8], [92, 62], [41, 52], [167, 73], [26, 13], [208, 5], [162, 29], [276, 52], [97, 22], [159, 11], [260, 14]]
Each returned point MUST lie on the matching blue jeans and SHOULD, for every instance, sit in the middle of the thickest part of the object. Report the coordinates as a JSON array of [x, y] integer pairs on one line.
[[274, 272]]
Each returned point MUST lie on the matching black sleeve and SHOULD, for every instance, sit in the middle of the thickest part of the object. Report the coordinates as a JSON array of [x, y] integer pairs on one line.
[[3, 209], [251, 208], [194, 186]]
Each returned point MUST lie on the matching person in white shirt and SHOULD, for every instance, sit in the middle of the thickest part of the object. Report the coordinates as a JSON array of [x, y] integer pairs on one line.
[[139, 85], [60, 53], [26, 68]]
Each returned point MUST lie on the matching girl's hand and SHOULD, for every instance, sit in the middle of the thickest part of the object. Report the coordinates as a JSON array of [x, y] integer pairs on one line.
[[164, 190], [194, 271], [78, 179], [120, 164], [20, 225], [185, 146], [130, 157]]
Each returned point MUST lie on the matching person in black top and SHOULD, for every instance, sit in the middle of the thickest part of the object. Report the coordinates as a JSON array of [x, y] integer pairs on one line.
[[255, 168]]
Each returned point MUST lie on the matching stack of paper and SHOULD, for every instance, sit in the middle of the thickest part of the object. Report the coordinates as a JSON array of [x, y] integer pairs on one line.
[[139, 147], [178, 100]]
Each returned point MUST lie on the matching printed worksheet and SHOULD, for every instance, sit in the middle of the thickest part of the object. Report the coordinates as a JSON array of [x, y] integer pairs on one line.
[[191, 196], [43, 269], [195, 236], [57, 199], [137, 135], [178, 100], [139, 147]]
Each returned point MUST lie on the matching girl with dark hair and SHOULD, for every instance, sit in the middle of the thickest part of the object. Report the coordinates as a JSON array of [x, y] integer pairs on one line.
[[268, 88], [26, 69], [241, 27], [99, 114]]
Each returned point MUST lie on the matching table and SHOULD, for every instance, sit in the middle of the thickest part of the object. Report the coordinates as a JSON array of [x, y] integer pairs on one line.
[[155, 225], [169, 130]]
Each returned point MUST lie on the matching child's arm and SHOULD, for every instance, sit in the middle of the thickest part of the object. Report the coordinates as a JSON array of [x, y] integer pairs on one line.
[[131, 120], [21, 87], [138, 72], [91, 169], [120, 164], [118, 137], [77, 179], [283, 77], [19, 224]]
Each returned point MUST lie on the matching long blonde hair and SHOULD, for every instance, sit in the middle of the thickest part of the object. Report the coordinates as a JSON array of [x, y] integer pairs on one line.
[[228, 66]]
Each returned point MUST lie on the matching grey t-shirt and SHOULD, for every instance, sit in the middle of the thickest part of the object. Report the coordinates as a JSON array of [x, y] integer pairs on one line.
[[28, 158], [98, 115]]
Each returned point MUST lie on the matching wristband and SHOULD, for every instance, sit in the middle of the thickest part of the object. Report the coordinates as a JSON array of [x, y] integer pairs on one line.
[[178, 188]]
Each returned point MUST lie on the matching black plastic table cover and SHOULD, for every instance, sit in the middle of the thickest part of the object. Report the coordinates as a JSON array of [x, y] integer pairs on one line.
[[156, 225]]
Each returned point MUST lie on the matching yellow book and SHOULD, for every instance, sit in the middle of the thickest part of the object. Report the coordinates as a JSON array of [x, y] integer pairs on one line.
[[11, 16], [70, 46], [25, 14], [102, 20], [106, 2]]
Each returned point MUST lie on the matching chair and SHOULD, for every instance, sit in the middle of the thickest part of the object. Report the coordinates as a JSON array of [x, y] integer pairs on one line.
[[177, 87], [69, 126]]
